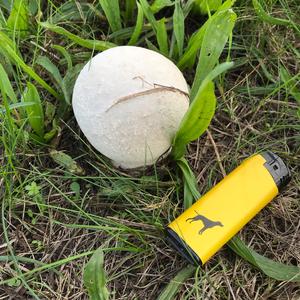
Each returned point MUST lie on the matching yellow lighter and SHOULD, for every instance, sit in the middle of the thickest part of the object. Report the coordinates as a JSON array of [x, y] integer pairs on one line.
[[216, 217]]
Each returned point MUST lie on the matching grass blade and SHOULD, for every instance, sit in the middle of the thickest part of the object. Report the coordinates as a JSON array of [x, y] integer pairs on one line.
[[148, 13], [129, 9], [35, 111], [160, 4], [138, 27], [214, 40], [65, 54], [264, 16], [90, 44], [178, 24], [7, 85], [13, 55], [111, 9], [158, 27], [271, 268], [190, 183], [18, 19], [47, 64], [94, 277], [162, 37], [174, 285], [290, 83]]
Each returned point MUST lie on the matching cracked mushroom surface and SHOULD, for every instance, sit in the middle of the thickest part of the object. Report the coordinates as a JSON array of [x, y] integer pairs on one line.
[[129, 102]]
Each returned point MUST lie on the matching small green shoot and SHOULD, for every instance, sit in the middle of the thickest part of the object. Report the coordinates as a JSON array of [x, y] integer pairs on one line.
[[35, 113], [174, 285], [94, 277]]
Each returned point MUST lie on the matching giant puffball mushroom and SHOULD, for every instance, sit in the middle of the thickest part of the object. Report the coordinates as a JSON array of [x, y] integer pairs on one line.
[[128, 102]]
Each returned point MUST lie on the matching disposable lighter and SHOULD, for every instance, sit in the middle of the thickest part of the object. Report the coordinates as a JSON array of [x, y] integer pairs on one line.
[[216, 217]]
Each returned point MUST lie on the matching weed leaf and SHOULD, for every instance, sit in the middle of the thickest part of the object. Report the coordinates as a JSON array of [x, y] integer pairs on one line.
[[18, 19], [162, 37], [206, 6], [214, 40], [199, 114], [160, 4], [190, 183], [138, 26], [112, 12], [271, 268], [195, 42], [35, 111], [178, 24], [94, 277], [66, 161]]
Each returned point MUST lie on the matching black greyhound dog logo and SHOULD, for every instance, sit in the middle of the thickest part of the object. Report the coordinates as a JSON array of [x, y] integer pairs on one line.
[[206, 222]]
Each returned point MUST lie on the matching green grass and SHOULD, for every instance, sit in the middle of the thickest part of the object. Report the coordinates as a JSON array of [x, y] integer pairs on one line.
[[61, 200]]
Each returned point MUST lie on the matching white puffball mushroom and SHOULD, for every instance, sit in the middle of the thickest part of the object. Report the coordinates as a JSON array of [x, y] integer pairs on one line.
[[128, 102]]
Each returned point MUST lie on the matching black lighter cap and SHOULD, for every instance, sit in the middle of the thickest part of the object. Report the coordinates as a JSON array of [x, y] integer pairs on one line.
[[277, 168], [184, 249]]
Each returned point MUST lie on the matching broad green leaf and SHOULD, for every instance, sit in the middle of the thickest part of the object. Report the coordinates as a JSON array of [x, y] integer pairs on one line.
[[66, 161], [196, 119], [190, 183], [215, 37], [174, 285], [90, 44], [194, 44], [35, 113], [7, 85], [264, 16], [206, 6], [160, 4], [112, 12], [178, 25], [5, 46], [47, 64], [162, 37], [18, 19], [271, 268], [94, 277], [199, 114], [138, 26]]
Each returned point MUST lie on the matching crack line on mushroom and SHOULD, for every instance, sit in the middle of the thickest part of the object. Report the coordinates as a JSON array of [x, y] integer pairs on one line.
[[147, 92]]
